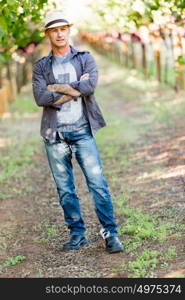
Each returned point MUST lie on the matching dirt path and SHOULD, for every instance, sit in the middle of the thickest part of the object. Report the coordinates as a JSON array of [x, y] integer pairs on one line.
[[148, 167]]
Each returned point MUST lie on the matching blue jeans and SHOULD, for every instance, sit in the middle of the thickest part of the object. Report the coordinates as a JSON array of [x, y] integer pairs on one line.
[[59, 154]]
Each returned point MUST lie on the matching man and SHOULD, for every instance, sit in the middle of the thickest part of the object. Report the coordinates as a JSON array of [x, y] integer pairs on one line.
[[63, 84]]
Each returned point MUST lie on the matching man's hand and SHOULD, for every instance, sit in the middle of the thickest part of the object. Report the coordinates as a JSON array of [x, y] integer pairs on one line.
[[52, 87], [85, 76], [63, 99]]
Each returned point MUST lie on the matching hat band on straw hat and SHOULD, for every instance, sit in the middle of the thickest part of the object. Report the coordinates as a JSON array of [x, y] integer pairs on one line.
[[56, 21]]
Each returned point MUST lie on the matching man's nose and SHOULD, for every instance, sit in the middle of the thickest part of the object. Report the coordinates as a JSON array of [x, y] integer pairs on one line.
[[60, 34]]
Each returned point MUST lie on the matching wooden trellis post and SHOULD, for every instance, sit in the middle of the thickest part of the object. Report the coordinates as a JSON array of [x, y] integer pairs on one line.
[[133, 57], [124, 49], [157, 55], [144, 60], [0, 77], [179, 66], [158, 64]]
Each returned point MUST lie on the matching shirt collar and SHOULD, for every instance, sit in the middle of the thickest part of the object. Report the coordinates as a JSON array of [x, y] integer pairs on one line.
[[74, 51]]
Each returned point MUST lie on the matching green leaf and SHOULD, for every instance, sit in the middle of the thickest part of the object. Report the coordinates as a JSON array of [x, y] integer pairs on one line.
[[3, 23], [181, 60], [12, 2]]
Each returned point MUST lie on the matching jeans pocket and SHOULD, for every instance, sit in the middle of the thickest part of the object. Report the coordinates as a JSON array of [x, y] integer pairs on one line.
[[44, 140], [47, 142], [85, 130]]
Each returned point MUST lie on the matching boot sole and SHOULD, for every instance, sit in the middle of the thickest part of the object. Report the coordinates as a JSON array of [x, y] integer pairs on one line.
[[81, 244], [115, 250]]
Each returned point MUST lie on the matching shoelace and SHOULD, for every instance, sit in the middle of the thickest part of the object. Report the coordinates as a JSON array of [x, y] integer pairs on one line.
[[105, 234]]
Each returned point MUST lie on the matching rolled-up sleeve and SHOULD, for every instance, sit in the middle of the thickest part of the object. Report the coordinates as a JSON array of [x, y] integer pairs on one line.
[[87, 87], [42, 96]]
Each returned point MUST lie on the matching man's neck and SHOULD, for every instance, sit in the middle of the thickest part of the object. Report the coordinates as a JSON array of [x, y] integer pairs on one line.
[[61, 51]]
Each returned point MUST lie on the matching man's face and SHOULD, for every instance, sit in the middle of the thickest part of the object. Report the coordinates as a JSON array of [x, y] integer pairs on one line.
[[58, 36]]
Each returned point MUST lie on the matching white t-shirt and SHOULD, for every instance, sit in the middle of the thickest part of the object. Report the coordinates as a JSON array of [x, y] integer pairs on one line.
[[71, 112]]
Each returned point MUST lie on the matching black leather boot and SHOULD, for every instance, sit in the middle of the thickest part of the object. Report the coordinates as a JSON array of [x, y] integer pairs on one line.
[[76, 242], [113, 244]]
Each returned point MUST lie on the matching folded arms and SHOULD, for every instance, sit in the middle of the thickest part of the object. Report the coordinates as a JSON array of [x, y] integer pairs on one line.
[[66, 89], [54, 95]]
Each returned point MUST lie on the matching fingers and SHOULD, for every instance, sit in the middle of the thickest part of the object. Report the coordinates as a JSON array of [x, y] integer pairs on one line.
[[51, 87], [85, 76], [82, 77]]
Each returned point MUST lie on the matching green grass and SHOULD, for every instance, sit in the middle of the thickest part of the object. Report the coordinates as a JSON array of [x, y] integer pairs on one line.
[[40, 272], [12, 164], [171, 253], [4, 196], [144, 225], [3, 244], [51, 230], [24, 104], [41, 240], [45, 231], [140, 226], [121, 200], [145, 264], [120, 132], [13, 261], [142, 230]]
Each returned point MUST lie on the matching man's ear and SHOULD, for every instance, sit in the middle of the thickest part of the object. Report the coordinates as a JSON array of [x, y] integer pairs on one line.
[[46, 33]]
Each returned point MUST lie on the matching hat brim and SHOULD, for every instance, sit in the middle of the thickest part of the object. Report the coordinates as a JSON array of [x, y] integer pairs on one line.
[[58, 25]]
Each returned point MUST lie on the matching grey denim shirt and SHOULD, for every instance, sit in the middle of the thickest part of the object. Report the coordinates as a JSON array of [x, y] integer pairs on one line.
[[83, 62]]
